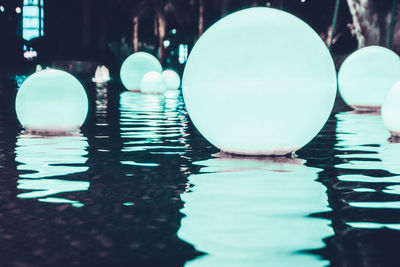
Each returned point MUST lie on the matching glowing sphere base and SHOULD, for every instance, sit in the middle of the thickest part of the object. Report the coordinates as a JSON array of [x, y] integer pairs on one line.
[[135, 67], [249, 90], [367, 75], [51, 101], [391, 110], [153, 83]]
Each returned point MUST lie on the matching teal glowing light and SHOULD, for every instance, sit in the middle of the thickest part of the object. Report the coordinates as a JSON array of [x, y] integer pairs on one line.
[[172, 79], [135, 67], [32, 19], [255, 213], [367, 75], [153, 83], [391, 110], [259, 81], [51, 101]]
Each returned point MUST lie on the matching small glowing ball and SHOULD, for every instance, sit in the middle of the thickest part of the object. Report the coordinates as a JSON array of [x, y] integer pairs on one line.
[[51, 101], [135, 67], [391, 110], [172, 79], [259, 82], [367, 75], [153, 83]]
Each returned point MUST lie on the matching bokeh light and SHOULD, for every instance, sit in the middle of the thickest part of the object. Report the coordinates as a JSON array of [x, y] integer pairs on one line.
[[172, 79], [153, 83], [51, 101], [367, 75], [249, 90], [135, 67], [391, 110]]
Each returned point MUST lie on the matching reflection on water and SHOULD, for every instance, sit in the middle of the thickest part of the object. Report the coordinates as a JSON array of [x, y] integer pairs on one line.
[[371, 164], [155, 194], [42, 158], [151, 125], [245, 212]]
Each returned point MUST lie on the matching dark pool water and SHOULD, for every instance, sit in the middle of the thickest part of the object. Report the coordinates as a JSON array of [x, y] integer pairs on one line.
[[140, 187]]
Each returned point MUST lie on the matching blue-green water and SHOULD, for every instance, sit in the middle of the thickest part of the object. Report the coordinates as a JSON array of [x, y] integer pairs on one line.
[[140, 187]]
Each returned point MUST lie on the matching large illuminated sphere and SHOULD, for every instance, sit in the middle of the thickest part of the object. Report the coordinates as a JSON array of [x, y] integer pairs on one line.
[[391, 110], [259, 82], [135, 67], [172, 79], [153, 83], [367, 75], [51, 101]]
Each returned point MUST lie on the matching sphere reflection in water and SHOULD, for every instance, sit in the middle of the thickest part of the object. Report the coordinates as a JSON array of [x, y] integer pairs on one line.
[[172, 79], [153, 83], [249, 90], [367, 75], [152, 124], [364, 140], [391, 110], [51, 101], [254, 213], [135, 67], [44, 163]]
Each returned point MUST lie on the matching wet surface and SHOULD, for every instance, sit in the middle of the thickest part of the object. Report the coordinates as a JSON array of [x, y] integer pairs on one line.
[[140, 187]]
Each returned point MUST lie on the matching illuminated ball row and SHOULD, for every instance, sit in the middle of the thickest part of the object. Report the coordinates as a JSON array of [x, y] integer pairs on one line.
[[142, 71]]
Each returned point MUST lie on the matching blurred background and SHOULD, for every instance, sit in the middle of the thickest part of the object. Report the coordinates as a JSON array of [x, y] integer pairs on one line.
[[77, 35]]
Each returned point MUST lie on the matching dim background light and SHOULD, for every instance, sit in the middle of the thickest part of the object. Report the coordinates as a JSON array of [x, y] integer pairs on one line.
[[153, 83], [135, 67], [172, 79]]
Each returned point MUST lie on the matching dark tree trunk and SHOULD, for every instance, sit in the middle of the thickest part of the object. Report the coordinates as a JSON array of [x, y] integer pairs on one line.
[[371, 22], [135, 36], [201, 17]]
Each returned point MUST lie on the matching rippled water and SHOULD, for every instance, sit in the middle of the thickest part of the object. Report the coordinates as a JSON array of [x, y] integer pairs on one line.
[[140, 187]]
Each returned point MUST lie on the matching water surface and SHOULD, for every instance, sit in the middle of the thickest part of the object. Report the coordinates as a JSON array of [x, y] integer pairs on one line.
[[139, 186]]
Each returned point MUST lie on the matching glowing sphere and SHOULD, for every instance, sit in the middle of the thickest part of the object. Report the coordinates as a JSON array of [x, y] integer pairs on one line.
[[135, 67], [51, 101], [153, 83], [259, 82], [391, 110], [172, 79], [367, 75]]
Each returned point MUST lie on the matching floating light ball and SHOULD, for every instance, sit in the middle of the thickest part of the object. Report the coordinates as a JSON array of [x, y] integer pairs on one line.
[[172, 79], [153, 83], [391, 110], [51, 101], [135, 67], [367, 75], [260, 82]]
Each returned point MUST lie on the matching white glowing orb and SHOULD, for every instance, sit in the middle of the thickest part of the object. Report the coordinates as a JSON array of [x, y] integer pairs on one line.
[[135, 67], [260, 82], [391, 110], [153, 83], [367, 75], [51, 101], [172, 79]]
